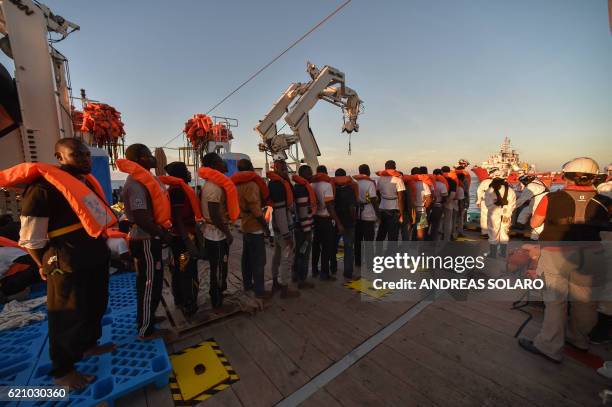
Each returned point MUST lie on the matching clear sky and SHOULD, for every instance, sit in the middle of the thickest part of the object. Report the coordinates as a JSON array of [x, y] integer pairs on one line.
[[441, 79]]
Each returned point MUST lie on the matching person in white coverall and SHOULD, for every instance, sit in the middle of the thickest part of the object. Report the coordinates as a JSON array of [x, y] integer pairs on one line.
[[533, 193], [500, 200], [480, 194]]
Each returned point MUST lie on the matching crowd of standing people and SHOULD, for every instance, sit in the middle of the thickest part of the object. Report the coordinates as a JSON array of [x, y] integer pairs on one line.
[[65, 223]]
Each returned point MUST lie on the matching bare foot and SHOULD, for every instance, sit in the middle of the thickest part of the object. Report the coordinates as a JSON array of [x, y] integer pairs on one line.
[[100, 349], [74, 380], [165, 334]]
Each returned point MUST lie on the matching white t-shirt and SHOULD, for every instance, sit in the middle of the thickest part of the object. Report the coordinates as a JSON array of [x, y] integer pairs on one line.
[[366, 187], [422, 191], [388, 188], [325, 193], [440, 192]]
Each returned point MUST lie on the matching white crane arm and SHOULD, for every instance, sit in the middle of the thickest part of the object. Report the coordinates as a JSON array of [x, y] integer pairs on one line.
[[295, 103]]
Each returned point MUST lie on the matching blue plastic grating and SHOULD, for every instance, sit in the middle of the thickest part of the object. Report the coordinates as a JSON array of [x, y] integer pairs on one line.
[[132, 366], [120, 301], [123, 282], [20, 349]]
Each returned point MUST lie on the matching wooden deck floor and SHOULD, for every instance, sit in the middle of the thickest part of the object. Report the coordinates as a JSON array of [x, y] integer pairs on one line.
[[452, 353]]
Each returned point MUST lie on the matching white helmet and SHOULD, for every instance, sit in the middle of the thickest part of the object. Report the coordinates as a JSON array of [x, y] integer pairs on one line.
[[584, 165]]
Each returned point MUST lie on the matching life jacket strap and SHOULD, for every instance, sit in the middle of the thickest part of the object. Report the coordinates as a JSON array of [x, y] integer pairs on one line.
[[65, 230]]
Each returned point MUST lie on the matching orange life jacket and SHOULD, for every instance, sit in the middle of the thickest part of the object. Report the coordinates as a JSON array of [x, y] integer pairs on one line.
[[312, 197], [231, 194], [388, 173], [481, 173], [189, 192], [452, 175], [268, 214], [272, 176], [6, 242], [162, 213], [359, 177], [243, 177], [90, 206], [443, 180], [346, 180], [467, 176], [410, 181], [426, 179]]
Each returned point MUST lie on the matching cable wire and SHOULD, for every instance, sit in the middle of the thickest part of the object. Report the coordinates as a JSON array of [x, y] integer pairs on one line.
[[260, 70]]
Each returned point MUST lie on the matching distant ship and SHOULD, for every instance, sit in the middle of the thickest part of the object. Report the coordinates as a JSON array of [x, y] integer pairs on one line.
[[507, 160]]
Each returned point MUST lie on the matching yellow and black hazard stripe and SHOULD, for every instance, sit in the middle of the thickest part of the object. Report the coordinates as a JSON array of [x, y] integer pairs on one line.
[[364, 286], [206, 394]]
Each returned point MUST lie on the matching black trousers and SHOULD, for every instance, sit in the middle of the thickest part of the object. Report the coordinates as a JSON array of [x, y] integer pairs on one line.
[[218, 252], [185, 282], [77, 297], [253, 262], [389, 229], [364, 231], [323, 245], [149, 282], [436, 223], [303, 247]]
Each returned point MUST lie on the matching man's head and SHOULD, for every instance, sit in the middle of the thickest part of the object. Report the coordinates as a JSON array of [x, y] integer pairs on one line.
[[390, 165], [581, 171], [280, 167], [214, 161], [423, 170], [321, 169], [73, 155], [415, 171], [179, 169], [340, 172], [364, 169], [437, 171], [245, 165], [445, 169], [305, 172], [140, 154]]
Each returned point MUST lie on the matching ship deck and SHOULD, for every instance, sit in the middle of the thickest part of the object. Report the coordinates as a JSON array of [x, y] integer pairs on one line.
[[459, 353]]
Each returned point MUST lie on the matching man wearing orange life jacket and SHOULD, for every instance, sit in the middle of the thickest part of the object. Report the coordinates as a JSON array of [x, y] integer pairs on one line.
[[324, 240], [346, 195], [145, 199], [283, 223], [449, 205], [216, 211], [461, 213], [437, 211], [252, 194], [74, 263], [422, 203], [391, 191], [185, 252], [306, 206], [368, 206]]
